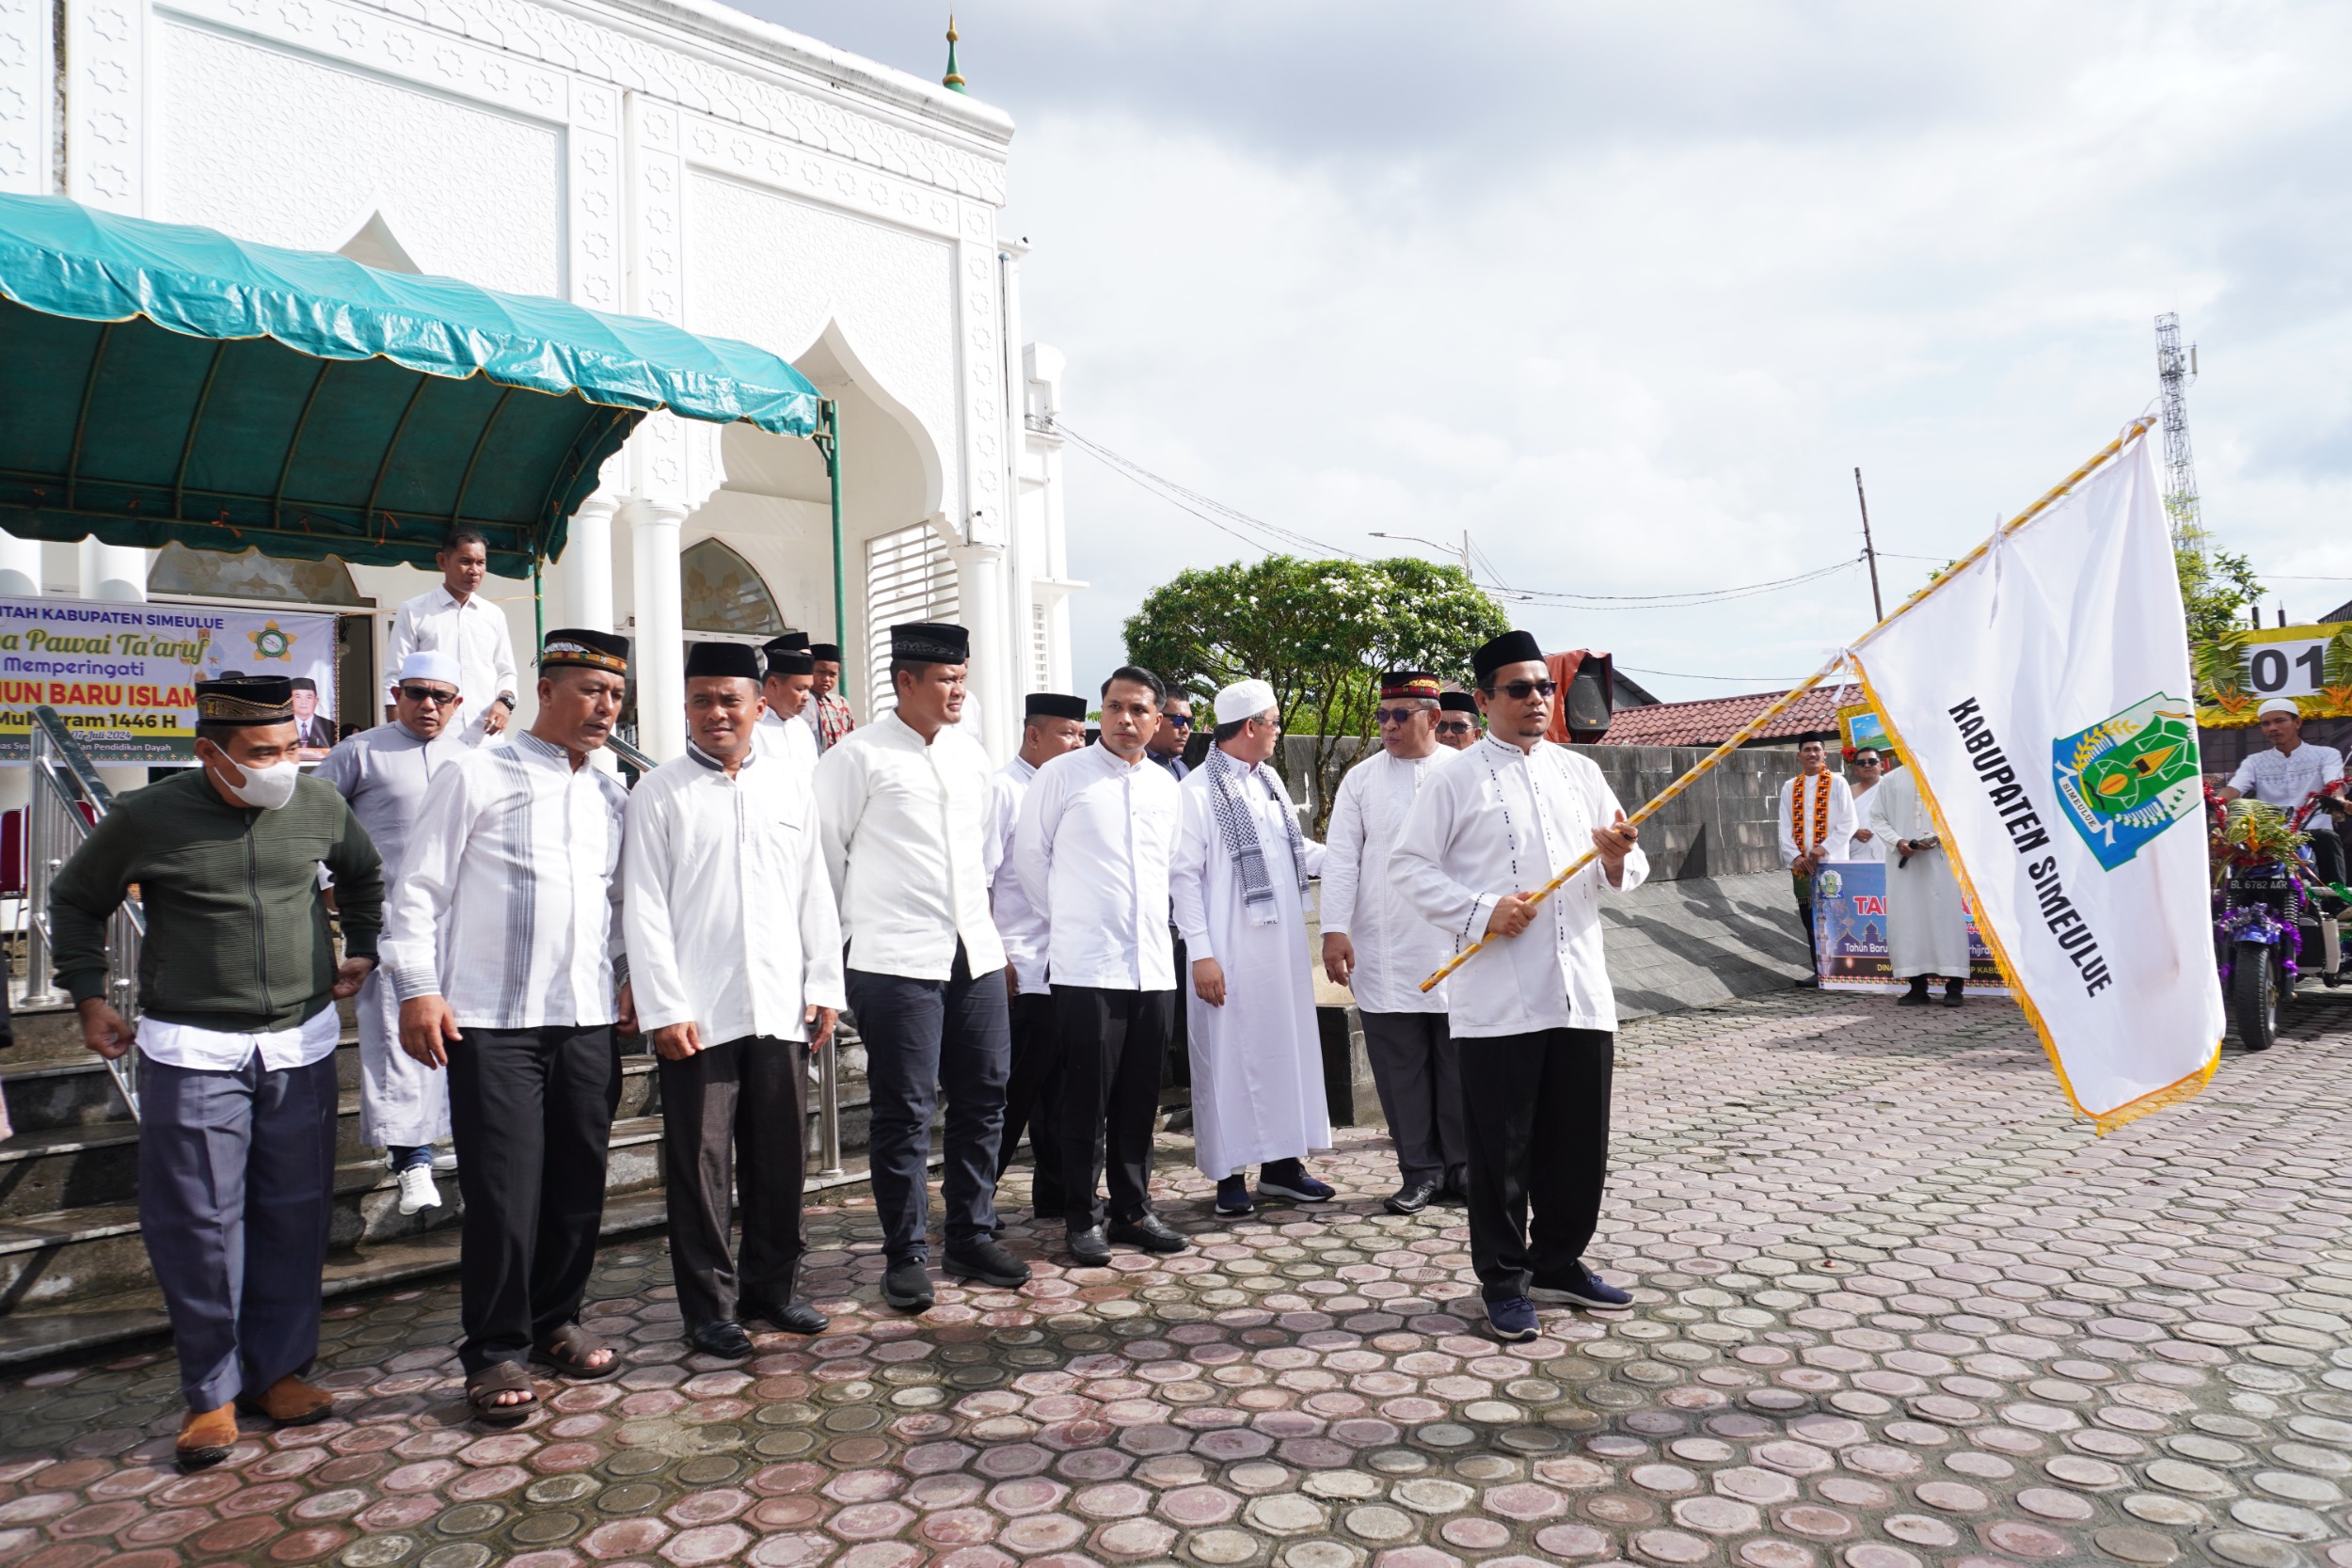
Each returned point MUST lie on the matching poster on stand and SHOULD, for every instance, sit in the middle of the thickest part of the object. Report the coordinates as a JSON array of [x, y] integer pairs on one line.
[[1850, 933], [124, 676]]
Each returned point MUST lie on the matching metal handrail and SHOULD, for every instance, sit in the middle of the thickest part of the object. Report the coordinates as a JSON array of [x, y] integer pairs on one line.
[[828, 1058], [68, 798]]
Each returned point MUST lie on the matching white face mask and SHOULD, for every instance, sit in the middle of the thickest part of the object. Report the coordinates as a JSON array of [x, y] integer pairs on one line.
[[266, 787]]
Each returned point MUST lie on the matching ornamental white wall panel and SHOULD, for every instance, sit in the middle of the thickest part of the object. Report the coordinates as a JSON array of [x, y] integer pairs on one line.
[[272, 145], [105, 47], [25, 96], [775, 271]]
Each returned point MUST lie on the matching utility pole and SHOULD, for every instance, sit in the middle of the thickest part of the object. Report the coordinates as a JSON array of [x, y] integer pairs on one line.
[[1870, 551]]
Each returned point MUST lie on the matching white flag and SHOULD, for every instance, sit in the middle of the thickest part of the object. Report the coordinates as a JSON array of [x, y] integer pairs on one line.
[[2042, 693]]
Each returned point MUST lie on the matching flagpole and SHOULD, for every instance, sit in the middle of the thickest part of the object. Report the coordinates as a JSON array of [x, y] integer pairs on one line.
[[1755, 727]]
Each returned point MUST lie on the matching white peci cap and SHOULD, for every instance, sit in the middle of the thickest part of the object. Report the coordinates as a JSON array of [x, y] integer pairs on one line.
[[431, 664], [2279, 705], [1243, 699]]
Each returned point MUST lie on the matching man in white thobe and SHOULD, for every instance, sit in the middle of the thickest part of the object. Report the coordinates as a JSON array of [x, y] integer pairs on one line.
[[1053, 725], [1536, 1014], [736, 962], [783, 688], [1927, 929], [382, 773], [1239, 886], [1869, 769], [457, 620], [903, 808], [1097, 834], [1816, 821], [1377, 944]]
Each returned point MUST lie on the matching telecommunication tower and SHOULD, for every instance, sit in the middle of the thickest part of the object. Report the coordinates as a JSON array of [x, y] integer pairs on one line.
[[2175, 369]]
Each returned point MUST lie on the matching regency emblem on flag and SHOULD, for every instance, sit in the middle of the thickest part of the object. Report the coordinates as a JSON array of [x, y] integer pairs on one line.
[[2126, 779]]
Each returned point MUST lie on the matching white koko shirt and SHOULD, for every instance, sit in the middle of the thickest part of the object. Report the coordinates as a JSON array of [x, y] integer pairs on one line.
[[508, 903], [1096, 837], [788, 739], [1019, 922], [905, 832], [1395, 949], [1501, 820], [1843, 819], [473, 633], [727, 907]]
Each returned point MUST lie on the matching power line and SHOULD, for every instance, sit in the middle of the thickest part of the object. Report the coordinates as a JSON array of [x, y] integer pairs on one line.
[[1783, 681]]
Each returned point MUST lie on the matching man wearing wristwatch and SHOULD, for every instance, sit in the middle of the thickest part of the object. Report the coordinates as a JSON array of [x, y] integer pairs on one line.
[[457, 620]]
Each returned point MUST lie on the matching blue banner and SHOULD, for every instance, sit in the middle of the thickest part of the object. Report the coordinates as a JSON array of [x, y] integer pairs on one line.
[[1850, 933]]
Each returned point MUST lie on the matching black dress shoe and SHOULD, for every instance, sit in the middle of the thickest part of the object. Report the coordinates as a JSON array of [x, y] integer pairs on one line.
[[908, 1286], [1150, 1232], [723, 1339], [1411, 1199], [982, 1260], [797, 1316], [1090, 1246]]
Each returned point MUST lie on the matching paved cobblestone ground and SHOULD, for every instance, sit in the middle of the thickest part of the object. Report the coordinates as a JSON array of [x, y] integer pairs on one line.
[[1893, 1308]]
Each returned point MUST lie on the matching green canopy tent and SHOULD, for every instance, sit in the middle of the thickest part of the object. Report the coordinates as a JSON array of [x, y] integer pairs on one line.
[[161, 382]]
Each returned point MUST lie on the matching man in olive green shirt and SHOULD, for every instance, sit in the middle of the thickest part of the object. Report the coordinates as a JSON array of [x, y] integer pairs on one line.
[[236, 1040]]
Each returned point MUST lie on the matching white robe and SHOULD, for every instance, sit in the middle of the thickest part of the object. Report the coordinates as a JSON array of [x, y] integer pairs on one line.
[[1257, 1061], [1873, 848], [1926, 931]]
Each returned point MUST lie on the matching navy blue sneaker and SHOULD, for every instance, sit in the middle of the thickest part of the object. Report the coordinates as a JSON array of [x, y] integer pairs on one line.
[[1581, 1288], [1288, 1179], [1232, 1197], [1512, 1319]]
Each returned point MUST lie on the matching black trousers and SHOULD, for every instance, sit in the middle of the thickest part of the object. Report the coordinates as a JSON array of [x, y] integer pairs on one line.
[[1033, 1098], [1538, 1110], [735, 1116], [532, 1114], [2327, 855], [924, 1037], [1113, 1044], [1804, 916]]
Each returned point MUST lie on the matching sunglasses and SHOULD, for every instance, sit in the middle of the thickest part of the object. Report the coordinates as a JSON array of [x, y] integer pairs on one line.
[[433, 694], [1519, 691], [1395, 714], [1458, 726], [1178, 721], [1872, 762]]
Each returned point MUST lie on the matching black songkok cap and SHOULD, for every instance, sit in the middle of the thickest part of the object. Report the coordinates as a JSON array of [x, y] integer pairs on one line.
[[829, 651], [1408, 682], [790, 661], [589, 650], [1052, 705], [726, 660], [245, 699], [791, 642], [931, 643], [1457, 702], [303, 682], [1512, 647]]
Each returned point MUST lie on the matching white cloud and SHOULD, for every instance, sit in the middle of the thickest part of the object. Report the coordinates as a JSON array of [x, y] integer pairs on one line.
[[1629, 291]]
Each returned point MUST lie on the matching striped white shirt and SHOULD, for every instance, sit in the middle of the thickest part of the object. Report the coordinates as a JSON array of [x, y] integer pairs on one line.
[[509, 897]]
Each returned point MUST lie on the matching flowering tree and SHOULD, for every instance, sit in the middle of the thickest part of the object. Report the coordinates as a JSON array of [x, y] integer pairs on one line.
[[1320, 632]]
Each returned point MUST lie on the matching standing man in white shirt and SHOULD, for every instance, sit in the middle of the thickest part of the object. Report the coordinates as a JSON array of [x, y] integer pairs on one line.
[[1053, 725], [1534, 1014], [1816, 821], [1097, 834], [904, 805], [457, 620], [735, 961], [1239, 886], [504, 943], [784, 688], [382, 773], [2288, 774], [1868, 769], [1377, 944]]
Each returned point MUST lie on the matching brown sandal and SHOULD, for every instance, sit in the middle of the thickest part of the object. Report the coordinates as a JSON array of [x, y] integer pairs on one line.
[[567, 1351], [501, 1377]]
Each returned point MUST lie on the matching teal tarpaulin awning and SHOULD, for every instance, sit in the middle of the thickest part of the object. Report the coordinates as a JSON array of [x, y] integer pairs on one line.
[[161, 382]]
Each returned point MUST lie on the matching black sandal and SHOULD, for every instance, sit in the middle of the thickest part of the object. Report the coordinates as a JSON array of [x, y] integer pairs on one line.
[[501, 1377], [567, 1351]]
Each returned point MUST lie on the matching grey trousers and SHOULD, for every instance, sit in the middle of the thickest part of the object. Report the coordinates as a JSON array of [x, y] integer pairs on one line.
[[734, 1120], [236, 1185], [1416, 1068]]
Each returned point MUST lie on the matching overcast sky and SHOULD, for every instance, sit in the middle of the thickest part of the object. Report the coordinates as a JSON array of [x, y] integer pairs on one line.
[[1629, 291]]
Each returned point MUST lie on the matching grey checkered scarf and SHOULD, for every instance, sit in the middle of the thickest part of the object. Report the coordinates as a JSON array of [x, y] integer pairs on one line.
[[1227, 778]]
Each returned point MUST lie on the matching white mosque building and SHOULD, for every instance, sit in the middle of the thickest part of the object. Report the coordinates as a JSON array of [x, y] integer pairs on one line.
[[666, 158]]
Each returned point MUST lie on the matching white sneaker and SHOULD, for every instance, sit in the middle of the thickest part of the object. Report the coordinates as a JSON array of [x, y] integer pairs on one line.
[[445, 1159], [416, 1190]]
